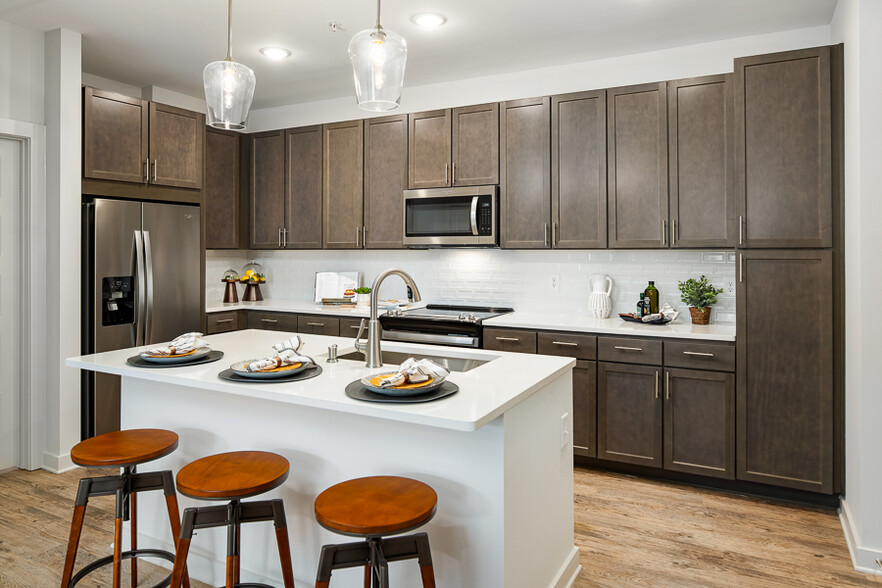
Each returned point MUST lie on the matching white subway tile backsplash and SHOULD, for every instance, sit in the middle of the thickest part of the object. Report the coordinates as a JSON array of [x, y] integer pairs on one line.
[[521, 279]]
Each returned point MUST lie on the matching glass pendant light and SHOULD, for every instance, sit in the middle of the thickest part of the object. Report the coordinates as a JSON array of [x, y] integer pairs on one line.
[[378, 58], [229, 87]]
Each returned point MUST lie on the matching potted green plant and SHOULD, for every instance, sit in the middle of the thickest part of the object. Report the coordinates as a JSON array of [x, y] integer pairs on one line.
[[363, 296], [699, 295]]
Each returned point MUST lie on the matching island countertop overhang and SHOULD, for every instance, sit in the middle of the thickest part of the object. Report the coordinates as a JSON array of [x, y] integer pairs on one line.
[[485, 392]]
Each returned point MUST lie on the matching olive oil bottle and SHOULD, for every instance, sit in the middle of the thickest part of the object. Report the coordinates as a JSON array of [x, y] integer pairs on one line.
[[651, 293]]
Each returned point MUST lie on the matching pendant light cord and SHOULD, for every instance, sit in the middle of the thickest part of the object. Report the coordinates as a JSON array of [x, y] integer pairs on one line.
[[379, 28], [230, 31]]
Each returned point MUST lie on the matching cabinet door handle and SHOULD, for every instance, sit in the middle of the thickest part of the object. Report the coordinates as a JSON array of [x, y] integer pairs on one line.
[[285, 237], [364, 236], [220, 321], [664, 232], [673, 231], [545, 235], [357, 237], [446, 173], [740, 267], [280, 237], [266, 320], [553, 234], [698, 353], [667, 385], [507, 339], [656, 383], [316, 324], [154, 171], [147, 171], [453, 173], [565, 343], [628, 348], [741, 230]]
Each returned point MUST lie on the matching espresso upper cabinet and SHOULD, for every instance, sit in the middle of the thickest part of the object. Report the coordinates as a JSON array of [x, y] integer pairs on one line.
[[115, 144], [131, 140], [176, 146], [783, 158], [385, 179], [303, 188], [221, 198], [785, 369], [701, 165], [578, 170], [637, 166], [343, 185], [266, 172], [525, 183], [454, 147]]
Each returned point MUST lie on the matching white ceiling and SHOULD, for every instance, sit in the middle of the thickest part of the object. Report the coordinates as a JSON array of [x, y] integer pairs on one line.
[[167, 43]]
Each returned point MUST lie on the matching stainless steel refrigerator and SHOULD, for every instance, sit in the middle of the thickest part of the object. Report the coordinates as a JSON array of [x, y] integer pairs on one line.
[[141, 285]]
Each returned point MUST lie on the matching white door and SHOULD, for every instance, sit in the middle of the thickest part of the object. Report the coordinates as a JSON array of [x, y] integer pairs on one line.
[[10, 281]]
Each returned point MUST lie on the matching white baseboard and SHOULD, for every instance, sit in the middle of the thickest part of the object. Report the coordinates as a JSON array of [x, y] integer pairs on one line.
[[864, 560], [58, 464], [568, 572]]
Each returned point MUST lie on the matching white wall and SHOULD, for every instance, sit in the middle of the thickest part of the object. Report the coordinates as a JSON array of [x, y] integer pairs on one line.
[[857, 24], [669, 64], [21, 73], [63, 197], [520, 279], [154, 93]]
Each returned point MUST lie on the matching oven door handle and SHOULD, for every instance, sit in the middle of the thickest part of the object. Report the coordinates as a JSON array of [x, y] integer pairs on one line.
[[474, 216], [414, 337]]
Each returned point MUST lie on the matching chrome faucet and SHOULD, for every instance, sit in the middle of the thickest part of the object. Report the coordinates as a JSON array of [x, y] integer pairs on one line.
[[373, 356]]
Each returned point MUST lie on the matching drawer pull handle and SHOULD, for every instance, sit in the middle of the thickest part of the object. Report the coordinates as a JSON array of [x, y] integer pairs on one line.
[[269, 320], [316, 324], [219, 321], [565, 343], [507, 339], [629, 348], [698, 353], [355, 327]]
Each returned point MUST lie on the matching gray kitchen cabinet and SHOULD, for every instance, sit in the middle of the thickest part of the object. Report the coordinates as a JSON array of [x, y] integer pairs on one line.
[[349, 326], [454, 147], [783, 158], [578, 170], [629, 413], [318, 325], [115, 136], [510, 340], [701, 166], [699, 422], [266, 175], [637, 166], [343, 181], [585, 408], [271, 321], [303, 188], [785, 368], [385, 179], [176, 146], [525, 170], [221, 198], [223, 322]]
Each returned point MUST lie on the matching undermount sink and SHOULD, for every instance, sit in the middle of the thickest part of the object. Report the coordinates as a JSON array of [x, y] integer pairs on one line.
[[454, 364]]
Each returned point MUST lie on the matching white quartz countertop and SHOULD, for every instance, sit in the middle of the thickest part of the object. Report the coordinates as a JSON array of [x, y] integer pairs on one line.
[[682, 328], [485, 392], [301, 307]]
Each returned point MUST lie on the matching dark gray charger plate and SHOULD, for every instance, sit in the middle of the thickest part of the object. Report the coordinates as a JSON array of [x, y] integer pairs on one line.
[[138, 361], [357, 391], [310, 372]]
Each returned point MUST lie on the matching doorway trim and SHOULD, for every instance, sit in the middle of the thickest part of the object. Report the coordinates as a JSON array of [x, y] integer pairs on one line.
[[32, 296]]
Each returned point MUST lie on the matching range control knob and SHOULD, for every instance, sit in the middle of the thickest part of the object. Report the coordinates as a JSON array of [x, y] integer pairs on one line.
[[472, 318], [463, 317]]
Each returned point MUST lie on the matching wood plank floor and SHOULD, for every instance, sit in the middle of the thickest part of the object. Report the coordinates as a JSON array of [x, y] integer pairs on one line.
[[630, 532]]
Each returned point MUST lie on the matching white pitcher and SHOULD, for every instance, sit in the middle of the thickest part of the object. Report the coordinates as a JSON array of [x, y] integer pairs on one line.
[[599, 305]]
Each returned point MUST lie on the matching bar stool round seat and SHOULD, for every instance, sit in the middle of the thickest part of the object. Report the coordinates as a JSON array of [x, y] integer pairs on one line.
[[231, 477], [227, 476], [374, 508], [126, 450]]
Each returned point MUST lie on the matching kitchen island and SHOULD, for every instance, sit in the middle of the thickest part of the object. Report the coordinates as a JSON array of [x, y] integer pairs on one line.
[[498, 453]]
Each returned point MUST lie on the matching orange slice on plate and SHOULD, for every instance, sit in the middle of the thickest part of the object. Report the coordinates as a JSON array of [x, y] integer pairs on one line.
[[375, 381], [284, 368], [176, 354]]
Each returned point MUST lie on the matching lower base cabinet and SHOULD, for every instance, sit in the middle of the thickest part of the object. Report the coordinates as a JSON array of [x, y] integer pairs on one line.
[[585, 408], [629, 413], [699, 422]]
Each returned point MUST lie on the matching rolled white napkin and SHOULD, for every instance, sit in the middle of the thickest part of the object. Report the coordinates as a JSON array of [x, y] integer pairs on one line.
[[180, 345], [286, 354], [414, 372]]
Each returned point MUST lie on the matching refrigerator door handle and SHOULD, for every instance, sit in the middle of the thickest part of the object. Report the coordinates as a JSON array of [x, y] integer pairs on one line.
[[141, 288], [148, 279]]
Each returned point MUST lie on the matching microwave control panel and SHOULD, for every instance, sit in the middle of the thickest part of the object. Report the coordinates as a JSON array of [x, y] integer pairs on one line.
[[485, 215]]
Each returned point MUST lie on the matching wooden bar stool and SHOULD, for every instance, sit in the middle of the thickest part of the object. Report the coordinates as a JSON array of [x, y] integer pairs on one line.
[[126, 450], [232, 477], [372, 508]]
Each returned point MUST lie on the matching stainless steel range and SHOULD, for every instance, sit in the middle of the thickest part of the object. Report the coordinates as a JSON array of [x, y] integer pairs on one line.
[[439, 324]]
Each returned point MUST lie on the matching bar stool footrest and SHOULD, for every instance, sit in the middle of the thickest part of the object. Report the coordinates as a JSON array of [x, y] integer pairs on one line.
[[136, 553]]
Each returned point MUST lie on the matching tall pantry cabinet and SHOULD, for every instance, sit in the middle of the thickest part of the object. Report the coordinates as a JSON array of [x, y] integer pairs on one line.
[[787, 160]]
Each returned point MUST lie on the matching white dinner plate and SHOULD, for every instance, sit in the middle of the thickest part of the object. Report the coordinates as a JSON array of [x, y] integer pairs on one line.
[[239, 369], [404, 389], [201, 352]]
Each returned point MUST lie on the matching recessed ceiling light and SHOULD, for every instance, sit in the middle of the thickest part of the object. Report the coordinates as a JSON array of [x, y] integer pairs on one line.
[[275, 53], [428, 19]]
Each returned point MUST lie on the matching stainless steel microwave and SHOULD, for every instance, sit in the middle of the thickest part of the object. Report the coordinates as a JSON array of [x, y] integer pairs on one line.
[[452, 217]]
